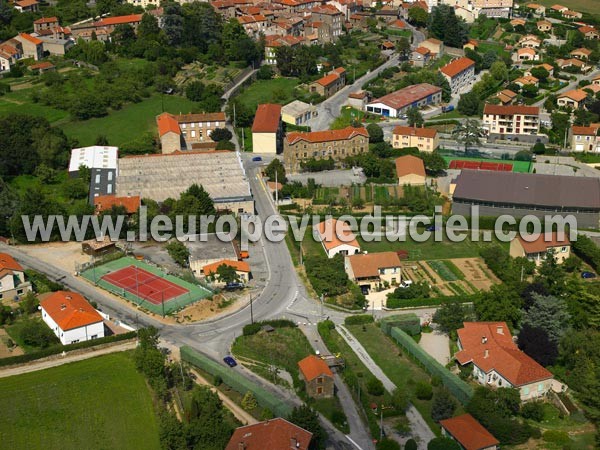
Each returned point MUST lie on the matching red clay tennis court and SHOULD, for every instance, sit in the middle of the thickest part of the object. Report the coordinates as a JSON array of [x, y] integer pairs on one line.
[[144, 284]]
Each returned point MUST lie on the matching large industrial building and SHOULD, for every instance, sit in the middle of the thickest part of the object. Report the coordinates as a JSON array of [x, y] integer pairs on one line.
[[399, 102], [159, 177], [520, 194]]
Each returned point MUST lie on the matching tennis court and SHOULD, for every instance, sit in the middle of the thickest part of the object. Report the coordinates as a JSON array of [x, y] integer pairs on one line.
[[488, 164], [145, 284]]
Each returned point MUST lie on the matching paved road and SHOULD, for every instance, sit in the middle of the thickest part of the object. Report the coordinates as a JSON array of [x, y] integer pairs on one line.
[[69, 358], [358, 429], [329, 109], [420, 431]]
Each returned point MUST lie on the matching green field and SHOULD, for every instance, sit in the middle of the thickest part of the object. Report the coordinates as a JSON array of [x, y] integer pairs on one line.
[[588, 6], [277, 90], [518, 166], [129, 123], [430, 249], [19, 102], [99, 403]]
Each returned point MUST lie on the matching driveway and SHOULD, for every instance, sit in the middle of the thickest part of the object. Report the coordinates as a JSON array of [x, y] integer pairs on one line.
[[419, 430]]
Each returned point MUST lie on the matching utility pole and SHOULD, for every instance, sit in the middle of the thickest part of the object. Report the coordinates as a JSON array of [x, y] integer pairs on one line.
[[321, 306], [276, 192], [251, 311], [381, 423], [234, 116], [243, 141]]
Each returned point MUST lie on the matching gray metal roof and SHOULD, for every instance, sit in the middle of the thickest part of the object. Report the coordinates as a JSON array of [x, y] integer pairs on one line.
[[528, 189]]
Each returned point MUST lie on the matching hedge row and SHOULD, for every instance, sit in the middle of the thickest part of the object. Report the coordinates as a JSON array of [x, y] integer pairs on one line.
[[460, 389], [56, 349], [253, 328], [588, 251], [418, 302], [236, 381], [409, 323]]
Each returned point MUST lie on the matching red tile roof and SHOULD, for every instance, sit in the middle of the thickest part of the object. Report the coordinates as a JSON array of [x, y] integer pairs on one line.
[[328, 79], [423, 51], [409, 165], [239, 266], [367, 265], [106, 202], [468, 432], [31, 38], [586, 131], [408, 95], [327, 135], [587, 29], [46, 20], [118, 20], [43, 65], [312, 367], [328, 232], [167, 123], [9, 263], [69, 310], [267, 118], [274, 434], [510, 110], [397, 24], [489, 346], [201, 117], [574, 94], [542, 242], [457, 66], [415, 131], [25, 3]]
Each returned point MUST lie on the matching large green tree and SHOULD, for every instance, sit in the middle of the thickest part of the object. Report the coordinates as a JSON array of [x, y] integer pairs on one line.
[[307, 418]]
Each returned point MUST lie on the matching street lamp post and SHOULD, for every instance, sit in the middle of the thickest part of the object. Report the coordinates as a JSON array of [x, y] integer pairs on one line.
[[251, 311]]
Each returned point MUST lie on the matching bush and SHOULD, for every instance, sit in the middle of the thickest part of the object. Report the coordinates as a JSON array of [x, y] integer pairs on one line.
[[533, 411], [35, 333], [218, 381], [556, 437], [375, 387], [253, 328], [411, 444], [423, 391], [442, 443], [387, 444], [443, 405], [359, 319]]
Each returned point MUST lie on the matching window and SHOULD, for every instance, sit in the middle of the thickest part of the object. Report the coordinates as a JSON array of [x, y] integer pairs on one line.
[[526, 391], [95, 336], [320, 380], [75, 341], [19, 291], [540, 387], [319, 390]]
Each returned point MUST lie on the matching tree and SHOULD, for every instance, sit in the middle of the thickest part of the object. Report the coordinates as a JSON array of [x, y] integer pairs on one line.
[[443, 405], [399, 399], [499, 71], [411, 444], [500, 304], [445, 25], [179, 252], [101, 140], [468, 133], [208, 427], [227, 274], [375, 133], [414, 116], [275, 167], [403, 47], [533, 411], [423, 390], [450, 317], [306, 418], [36, 333], [221, 134], [539, 148], [375, 386], [550, 314], [386, 443], [540, 73], [469, 104], [443, 443], [249, 401], [434, 162], [195, 91], [418, 16]]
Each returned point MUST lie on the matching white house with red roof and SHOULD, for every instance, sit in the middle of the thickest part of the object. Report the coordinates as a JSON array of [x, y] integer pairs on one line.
[[71, 317], [498, 362], [539, 247], [336, 237], [32, 46], [12, 278]]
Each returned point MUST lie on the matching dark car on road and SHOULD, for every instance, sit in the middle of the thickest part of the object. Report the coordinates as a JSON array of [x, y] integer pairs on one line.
[[230, 361], [257, 159], [588, 275]]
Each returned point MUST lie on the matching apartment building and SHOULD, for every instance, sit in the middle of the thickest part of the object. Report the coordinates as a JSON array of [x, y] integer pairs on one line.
[[511, 120], [336, 144], [328, 20], [32, 46], [460, 73], [274, 41], [425, 139], [331, 83]]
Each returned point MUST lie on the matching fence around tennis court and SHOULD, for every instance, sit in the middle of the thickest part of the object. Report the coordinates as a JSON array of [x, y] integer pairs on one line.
[[195, 293], [236, 381]]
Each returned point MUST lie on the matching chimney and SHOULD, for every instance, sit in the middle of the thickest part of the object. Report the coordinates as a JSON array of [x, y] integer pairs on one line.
[[63, 307], [483, 340], [241, 446], [500, 330], [294, 444], [486, 353]]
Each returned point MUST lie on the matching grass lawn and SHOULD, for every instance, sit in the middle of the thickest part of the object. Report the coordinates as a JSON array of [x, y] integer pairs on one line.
[[429, 249], [449, 115], [283, 348], [129, 123], [99, 403], [399, 368], [15, 330], [19, 102], [588, 6], [277, 90]]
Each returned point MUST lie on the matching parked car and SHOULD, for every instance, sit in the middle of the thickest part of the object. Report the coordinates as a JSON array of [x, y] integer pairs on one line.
[[588, 275], [230, 361], [257, 159], [234, 286], [405, 283], [431, 228]]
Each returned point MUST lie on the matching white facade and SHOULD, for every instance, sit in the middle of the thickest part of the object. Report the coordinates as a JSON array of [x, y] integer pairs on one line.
[[94, 157], [342, 249], [80, 334], [527, 391]]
